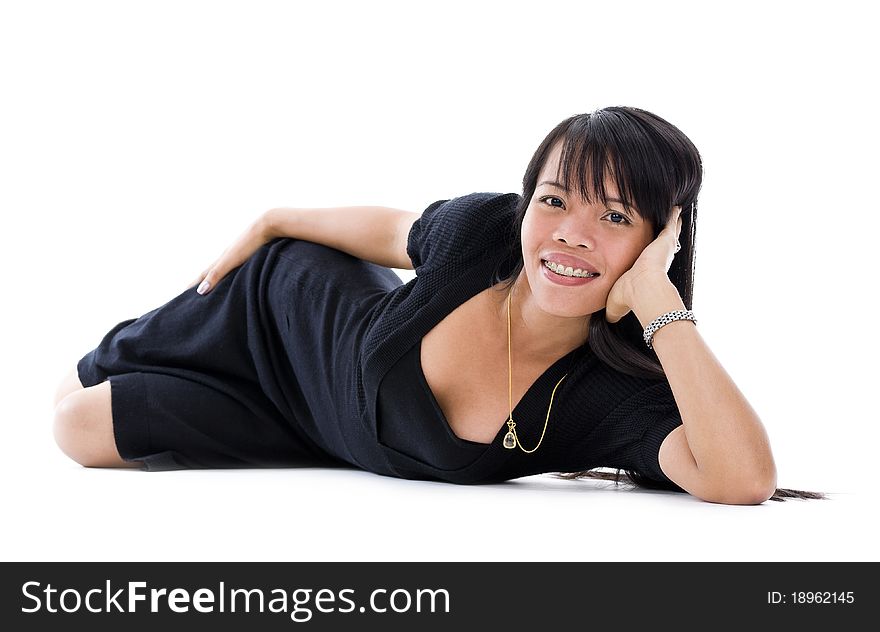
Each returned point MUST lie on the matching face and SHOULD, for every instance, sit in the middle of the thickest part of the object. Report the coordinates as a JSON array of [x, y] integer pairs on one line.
[[608, 238]]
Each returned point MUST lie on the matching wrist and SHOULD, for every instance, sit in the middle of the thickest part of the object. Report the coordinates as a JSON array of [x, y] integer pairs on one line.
[[267, 224], [652, 296]]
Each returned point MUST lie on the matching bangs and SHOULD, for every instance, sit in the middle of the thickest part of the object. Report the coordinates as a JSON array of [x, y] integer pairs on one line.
[[650, 172], [584, 164]]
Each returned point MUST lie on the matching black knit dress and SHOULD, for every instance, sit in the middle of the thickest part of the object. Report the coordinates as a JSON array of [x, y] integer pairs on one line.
[[305, 355]]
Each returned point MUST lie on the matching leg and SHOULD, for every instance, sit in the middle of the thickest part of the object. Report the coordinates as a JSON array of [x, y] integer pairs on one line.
[[84, 428], [68, 385]]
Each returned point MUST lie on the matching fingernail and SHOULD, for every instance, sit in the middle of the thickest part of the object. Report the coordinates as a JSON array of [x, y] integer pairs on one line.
[[203, 287]]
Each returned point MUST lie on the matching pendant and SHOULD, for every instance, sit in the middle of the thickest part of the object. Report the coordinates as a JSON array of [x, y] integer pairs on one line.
[[509, 440]]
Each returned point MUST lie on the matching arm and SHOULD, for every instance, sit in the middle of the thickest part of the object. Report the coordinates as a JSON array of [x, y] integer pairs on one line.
[[721, 453], [374, 233]]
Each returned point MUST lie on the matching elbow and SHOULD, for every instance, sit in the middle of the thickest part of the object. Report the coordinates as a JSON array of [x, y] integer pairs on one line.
[[738, 496], [749, 493], [765, 491], [757, 494], [764, 482], [753, 490]]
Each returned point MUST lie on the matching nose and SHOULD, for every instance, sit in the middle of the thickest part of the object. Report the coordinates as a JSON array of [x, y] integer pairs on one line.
[[575, 232]]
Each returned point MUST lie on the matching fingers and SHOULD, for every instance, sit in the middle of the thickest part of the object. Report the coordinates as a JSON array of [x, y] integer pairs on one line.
[[674, 221], [232, 257], [216, 271], [198, 279], [206, 280]]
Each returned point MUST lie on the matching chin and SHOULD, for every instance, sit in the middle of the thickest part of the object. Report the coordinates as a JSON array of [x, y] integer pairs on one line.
[[569, 302], [571, 311]]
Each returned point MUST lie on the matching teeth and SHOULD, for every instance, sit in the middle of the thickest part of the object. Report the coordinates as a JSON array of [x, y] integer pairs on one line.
[[568, 271]]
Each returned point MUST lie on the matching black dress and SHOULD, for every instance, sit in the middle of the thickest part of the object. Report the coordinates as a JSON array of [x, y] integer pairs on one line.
[[306, 355], [253, 373]]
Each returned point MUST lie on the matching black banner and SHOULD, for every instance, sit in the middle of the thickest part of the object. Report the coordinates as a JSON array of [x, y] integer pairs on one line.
[[431, 595]]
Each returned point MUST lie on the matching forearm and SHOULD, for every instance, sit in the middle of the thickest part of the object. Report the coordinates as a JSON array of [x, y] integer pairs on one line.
[[725, 435], [366, 232]]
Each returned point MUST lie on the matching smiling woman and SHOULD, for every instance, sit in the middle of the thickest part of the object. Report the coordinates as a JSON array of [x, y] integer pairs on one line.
[[606, 185], [301, 345]]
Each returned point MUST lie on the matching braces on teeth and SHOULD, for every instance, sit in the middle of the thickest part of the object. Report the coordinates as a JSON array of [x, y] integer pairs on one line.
[[568, 271]]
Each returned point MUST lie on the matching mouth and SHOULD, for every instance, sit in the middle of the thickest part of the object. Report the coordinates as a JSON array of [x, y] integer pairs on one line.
[[567, 272], [562, 276]]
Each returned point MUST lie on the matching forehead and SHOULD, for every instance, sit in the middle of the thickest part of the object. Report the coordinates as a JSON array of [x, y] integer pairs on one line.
[[552, 171]]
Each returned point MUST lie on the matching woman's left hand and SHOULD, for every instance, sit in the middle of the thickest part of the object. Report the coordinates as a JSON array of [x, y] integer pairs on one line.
[[655, 258]]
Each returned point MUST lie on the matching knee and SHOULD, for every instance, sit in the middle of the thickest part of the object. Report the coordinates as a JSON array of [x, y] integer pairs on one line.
[[80, 429], [70, 427], [70, 384]]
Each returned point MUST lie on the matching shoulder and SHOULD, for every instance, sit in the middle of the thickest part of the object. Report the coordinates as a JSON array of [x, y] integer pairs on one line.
[[469, 210], [457, 227], [641, 414]]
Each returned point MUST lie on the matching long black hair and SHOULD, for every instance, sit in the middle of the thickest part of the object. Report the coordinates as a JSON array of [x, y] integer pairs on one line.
[[655, 167]]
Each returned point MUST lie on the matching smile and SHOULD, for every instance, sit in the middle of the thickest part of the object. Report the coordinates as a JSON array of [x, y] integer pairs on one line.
[[569, 272], [559, 276]]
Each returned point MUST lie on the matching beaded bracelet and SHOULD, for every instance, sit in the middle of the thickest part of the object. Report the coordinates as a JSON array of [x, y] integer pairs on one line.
[[665, 319]]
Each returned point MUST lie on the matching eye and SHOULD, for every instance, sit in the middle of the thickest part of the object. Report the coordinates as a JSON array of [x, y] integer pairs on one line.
[[620, 215], [623, 220], [550, 197]]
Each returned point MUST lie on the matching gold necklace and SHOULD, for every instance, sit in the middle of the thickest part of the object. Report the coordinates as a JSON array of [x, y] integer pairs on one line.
[[510, 439]]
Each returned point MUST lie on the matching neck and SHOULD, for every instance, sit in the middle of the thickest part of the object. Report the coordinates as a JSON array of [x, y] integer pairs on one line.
[[535, 334]]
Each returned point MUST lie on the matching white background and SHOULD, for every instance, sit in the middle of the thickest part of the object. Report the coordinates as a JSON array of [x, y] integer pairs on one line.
[[137, 139]]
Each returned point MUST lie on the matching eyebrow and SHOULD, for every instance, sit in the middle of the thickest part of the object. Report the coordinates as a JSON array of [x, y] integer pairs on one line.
[[564, 188]]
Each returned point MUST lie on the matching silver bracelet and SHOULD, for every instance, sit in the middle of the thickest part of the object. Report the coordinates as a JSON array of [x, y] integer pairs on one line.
[[665, 319]]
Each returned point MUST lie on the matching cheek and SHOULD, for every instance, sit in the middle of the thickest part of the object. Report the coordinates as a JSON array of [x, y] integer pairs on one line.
[[622, 256], [528, 224], [530, 235], [636, 245]]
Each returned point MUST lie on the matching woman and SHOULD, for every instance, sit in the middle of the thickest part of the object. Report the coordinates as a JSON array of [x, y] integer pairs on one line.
[[548, 332]]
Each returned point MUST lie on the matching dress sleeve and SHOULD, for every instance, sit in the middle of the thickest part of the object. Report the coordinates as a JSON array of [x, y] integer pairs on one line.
[[633, 432], [458, 228]]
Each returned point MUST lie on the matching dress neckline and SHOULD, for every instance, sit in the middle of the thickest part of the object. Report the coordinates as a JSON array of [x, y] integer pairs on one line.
[[552, 374]]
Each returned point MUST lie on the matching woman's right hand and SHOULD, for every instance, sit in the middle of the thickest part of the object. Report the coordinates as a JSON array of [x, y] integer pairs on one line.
[[254, 236]]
